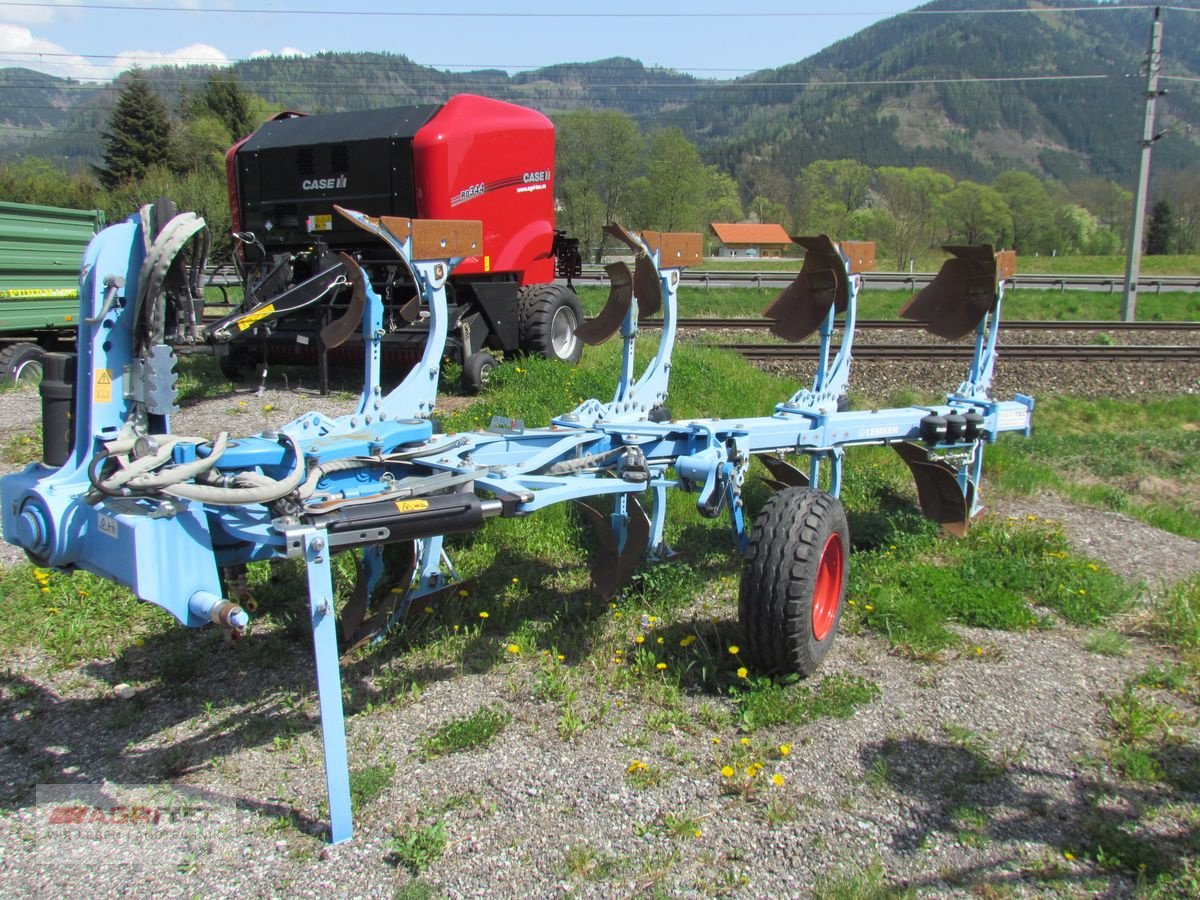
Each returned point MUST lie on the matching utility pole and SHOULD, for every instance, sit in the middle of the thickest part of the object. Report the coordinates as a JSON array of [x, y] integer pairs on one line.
[[1153, 64]]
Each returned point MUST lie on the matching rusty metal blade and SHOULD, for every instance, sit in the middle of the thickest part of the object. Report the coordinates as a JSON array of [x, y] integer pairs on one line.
[[647, 288], [340, 329], [821, 283], [611, 570], [962, 293], [620, 298], [938, 491], [625, 236], [409, 311], [783, 471], [399, 566]]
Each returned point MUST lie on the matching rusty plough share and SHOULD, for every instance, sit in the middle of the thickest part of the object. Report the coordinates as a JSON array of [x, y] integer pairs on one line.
[[177, 519]]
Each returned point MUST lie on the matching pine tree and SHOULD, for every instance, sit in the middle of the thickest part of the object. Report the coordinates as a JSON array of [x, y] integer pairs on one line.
[[138, 134], [1160, 233]]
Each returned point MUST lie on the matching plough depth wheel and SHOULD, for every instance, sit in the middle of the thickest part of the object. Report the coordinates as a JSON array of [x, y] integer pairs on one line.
[[794, 580]]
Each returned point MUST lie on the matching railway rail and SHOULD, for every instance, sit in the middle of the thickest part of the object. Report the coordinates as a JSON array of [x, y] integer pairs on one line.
[[1012, 352], [907, 324]]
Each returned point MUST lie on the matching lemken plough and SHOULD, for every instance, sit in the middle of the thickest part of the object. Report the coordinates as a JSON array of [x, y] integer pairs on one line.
[[178, 518]]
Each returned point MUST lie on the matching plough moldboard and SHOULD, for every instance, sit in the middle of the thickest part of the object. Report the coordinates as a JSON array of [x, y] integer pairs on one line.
[[178, 518]]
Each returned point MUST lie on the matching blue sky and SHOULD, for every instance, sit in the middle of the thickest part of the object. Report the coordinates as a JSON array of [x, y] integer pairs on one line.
[[96, 39]]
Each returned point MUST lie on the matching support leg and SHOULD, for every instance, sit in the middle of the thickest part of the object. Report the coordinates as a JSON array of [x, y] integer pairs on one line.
[[329, 684]]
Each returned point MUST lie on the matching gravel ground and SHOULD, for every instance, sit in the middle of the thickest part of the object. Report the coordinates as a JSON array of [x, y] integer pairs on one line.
[[1011, 732]]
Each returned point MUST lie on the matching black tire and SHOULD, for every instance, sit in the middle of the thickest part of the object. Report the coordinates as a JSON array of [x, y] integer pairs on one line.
[[794, 581], [548, 315], [22, 363], [476, 369]]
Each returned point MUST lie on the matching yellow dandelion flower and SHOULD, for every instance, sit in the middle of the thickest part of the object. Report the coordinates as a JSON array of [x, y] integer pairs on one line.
[[851, 602], [53, 610], [727, 771], [868, 607], [696, 832], [716, 740], [636, 766], [785, 749], [1068, 855], [745, 742], [617, 614], [777, 780], [483, 615], [639, 639], [652, 619], [658, 641], [513, 648], [978, 651], [560, 657], [516, 581], [743, 672], [688, 641], [661, 666], [1093, 567], [428, 610], [268, 407], [735, 649], [464, 593]]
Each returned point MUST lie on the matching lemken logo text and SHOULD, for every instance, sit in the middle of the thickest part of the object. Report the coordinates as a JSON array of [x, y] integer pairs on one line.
[[323, 184]]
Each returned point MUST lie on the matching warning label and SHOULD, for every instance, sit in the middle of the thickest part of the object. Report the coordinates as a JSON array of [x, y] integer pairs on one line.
[[256, 316], [102, 392], [407, 506]]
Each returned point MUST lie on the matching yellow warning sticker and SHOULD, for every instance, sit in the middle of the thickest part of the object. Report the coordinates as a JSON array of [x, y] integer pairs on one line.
[[407, 506], [256, 316], [320, 223], [487, 263], [102, 391]]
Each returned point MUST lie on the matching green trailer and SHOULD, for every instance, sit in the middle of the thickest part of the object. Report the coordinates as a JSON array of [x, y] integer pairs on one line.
[[41, 249]]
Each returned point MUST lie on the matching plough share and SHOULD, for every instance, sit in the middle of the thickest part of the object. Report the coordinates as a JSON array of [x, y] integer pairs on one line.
[[177, 518]]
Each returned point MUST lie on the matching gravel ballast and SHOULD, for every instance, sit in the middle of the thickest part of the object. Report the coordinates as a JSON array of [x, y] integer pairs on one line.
[[1011, 730]]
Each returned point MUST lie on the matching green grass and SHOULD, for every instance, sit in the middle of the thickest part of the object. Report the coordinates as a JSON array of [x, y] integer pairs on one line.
[[73, 618], [369, 783], [418, 847], [1140, 457], [765, 703], [469, 732], [1004, 575]]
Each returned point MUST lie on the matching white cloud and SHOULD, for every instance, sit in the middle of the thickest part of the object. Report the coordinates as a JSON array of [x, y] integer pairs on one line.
[[191, 55], [282, 51], [19, 47]]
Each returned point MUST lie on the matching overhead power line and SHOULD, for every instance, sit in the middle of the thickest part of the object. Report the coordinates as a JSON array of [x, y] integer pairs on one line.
[[561, 14]]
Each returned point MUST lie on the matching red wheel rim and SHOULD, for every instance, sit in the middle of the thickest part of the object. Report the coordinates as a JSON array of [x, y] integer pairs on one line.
[[828, 589]]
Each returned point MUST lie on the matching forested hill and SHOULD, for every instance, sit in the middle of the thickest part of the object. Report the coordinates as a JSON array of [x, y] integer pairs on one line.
[[1030, 115], [827, 106]]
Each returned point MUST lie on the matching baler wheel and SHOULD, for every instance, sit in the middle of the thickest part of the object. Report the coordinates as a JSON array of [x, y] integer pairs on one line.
[[794, 580], [22, 362], [476, 370], [548, 315]]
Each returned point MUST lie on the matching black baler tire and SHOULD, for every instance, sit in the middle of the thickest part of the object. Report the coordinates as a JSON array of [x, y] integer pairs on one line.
[[537, 305], [22, 361], [475, 371], [780, 577]]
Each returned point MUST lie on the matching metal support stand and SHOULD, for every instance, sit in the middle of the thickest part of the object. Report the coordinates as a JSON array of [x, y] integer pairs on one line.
[[329, 683]]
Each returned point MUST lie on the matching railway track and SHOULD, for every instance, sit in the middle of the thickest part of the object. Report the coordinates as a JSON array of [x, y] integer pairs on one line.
[[905, 324], [1010, 352]]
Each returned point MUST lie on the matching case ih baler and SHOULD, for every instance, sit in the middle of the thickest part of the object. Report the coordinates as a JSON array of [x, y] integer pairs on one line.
[[470, 158]]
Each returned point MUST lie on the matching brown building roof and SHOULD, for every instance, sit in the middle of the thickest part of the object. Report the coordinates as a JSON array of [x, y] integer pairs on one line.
[[750, 234]]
